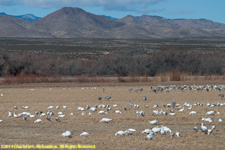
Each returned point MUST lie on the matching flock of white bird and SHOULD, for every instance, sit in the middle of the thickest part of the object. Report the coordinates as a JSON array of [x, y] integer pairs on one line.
[[174, 109]]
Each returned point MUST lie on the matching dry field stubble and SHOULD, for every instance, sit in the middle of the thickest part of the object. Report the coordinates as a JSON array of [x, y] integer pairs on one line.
[[18, 131]]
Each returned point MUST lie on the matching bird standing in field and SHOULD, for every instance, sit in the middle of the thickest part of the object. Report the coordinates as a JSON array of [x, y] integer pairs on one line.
[[130, 89], [10, 114], [136, 90], [162, 131], [131, 104], [173, 103], [196, 128], [66, 134], [204, 128], [171, 134], [36, 112], [108, 97], [154, 90], [37, 121], [84, 134], [221, 95], [48, 118], [178, 134], [153, 122], [145, 98], [106, 120], [25, 118], [150, 135]]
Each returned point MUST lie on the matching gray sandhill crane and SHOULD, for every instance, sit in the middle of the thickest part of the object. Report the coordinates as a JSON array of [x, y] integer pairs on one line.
[[25, 118], [154, 90], [131, 104], [130, 89], [136, 90], [171, 134], [48, 118], [173, 103], [108, 97], [145, 98], [221, 95]]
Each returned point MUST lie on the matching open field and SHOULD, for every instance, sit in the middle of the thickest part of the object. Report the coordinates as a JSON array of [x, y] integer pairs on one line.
[[39, 98]]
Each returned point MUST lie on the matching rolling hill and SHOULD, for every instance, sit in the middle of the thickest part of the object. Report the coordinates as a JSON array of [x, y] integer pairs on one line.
[[14, 27]]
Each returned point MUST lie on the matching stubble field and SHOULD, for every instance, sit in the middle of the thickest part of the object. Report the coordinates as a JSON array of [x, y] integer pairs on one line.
[[102, 135]]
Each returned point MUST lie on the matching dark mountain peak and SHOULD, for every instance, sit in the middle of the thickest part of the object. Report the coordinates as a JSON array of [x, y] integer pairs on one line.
[[153, 19], [129, 17], [72, 10], [75, 22], [70, 13]]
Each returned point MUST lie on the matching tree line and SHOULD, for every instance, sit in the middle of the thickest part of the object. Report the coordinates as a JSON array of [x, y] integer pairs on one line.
[[195, 63]]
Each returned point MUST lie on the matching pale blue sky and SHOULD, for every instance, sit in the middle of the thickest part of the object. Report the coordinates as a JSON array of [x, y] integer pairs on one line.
[[189, 9]]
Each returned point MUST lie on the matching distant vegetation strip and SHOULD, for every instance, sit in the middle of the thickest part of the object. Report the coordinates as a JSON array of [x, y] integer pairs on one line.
[[93, 60], [113, 64], [160, 67]]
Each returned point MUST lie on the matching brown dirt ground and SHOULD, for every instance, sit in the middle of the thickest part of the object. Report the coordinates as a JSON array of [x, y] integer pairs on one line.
[[17, 131]]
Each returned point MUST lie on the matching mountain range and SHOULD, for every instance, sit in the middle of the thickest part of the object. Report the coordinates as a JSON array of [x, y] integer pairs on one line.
[[27, 17], [71, 22]]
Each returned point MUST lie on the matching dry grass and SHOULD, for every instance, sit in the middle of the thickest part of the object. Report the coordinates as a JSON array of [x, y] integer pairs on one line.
[[90, 79], [29, 78], [18, 131], [159, 79]]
